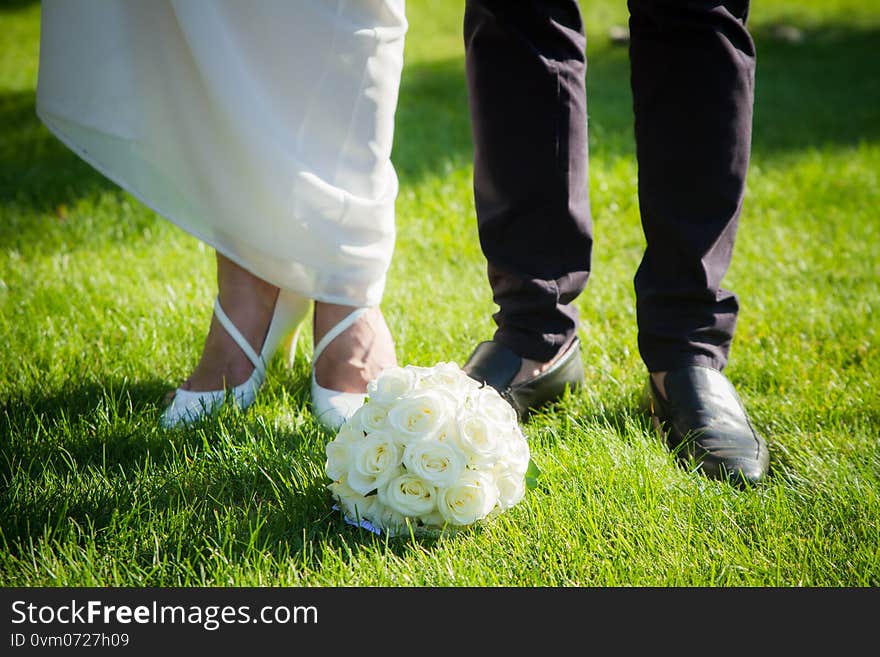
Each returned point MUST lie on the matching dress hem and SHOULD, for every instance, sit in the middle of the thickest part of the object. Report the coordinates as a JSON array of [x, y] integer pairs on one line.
[[130, 188]]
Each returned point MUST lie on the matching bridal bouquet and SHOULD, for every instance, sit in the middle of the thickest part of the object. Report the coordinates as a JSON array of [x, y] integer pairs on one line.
[[430, 449]]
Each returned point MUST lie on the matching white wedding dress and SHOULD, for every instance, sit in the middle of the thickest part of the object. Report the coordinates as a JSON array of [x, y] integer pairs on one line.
[[264, 128]]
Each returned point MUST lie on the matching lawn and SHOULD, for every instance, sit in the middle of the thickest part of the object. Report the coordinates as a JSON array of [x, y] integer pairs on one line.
[[104, 306]]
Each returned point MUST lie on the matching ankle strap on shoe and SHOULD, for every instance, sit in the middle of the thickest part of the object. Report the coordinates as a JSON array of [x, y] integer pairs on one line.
[[239, 339], [335, 331]]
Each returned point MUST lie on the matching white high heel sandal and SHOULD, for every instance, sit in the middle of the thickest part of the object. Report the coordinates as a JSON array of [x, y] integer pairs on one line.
[[332, 407], [189, 406]]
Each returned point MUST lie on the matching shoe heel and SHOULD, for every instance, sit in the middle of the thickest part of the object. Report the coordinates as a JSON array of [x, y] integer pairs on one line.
[[290, 311], [288, 347]]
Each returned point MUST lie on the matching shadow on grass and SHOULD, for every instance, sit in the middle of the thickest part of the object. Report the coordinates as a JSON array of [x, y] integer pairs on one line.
[[15, 5], [93, 422], [92, 457], [822, 91]]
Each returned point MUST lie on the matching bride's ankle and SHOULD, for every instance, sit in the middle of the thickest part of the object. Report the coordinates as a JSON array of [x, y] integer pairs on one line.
[[358, 354], [222, 363], [247, 299]]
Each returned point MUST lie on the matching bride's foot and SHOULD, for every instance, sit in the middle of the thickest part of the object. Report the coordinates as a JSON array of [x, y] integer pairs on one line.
[[249, 302], [355, 356], [243, 336]]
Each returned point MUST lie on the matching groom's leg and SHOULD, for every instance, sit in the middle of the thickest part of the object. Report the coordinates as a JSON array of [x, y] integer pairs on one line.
[[693, 74], [693, 71], [525, 71]]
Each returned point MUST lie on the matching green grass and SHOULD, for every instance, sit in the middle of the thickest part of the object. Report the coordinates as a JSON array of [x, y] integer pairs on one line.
[[103, 307]]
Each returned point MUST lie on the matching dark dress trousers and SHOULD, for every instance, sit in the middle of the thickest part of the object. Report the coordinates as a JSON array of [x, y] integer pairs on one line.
[[692, 76]]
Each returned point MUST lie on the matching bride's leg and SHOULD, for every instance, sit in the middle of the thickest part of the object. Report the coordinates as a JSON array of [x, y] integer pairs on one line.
[[359, 354], [249, 302]]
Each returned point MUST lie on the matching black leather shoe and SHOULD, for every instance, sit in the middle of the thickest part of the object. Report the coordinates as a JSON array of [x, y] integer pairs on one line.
[[494, 364], [704, 421]]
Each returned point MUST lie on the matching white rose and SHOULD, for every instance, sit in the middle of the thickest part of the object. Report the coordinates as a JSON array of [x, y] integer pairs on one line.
[[349, 432], [438, 463], [338, 459], [374, 460], [420, 415], [448, 433], [470, 499], [449, 377], [372, 416], [354, 505], [491, 405], [419, 372], [339, 451], [408, 494], [511, 486], [392, 384], [479, 440], [516, 452]]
